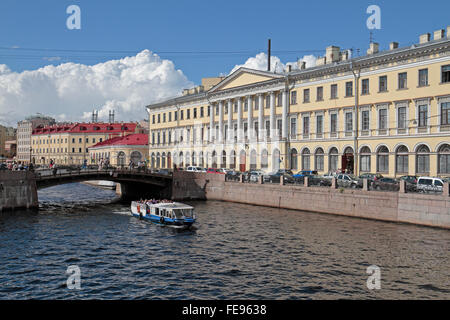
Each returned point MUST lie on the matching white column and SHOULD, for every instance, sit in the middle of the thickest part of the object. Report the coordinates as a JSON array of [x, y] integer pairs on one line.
[[272, 116], [261, 123], [284, 130], [211, 123], [250, 118], [230, 119], [220, 122], [239, 120]]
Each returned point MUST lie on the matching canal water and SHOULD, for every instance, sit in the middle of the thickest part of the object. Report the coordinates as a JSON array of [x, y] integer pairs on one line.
[[236, 252]]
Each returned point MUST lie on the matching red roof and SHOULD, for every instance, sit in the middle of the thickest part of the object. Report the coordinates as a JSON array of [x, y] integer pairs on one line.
[[139, 139], [86, 128]]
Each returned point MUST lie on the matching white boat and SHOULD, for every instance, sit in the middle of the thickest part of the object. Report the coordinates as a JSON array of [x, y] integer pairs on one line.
[[172, 214]]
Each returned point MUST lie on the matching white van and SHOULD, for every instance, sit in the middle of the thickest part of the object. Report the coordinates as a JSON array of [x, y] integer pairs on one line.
[[427, 184], [194, 169]]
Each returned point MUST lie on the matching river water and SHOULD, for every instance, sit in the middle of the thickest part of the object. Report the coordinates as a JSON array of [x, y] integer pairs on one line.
[[236, 252]]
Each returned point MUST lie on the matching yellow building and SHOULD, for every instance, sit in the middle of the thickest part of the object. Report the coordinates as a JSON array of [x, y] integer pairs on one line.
[[387, 112], [68, 144]]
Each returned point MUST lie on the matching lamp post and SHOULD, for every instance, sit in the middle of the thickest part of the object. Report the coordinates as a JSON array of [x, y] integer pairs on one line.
[[356, 75]]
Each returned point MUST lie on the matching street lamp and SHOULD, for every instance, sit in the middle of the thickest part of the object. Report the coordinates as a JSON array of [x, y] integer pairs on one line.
[[356, 75]]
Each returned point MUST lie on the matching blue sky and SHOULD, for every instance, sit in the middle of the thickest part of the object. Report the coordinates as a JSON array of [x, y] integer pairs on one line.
[[47, 68], [241, 27]]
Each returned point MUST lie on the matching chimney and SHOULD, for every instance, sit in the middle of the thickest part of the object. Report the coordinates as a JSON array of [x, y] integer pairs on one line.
[[374, 48], [289, 68], [425, 38], [393, 45], [332, 54], [439, 34], [344, 55], [301, 64]]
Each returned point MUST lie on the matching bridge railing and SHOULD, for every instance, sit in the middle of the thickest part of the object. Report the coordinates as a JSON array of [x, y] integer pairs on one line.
[[63, 172]]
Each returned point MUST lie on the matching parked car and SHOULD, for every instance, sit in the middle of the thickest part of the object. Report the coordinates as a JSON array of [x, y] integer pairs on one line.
[[255, 174], [387, 184], [409, 179], [275, 177], [348, 181], [233, 175], [194, 169], [222, 170], [305, 173], [371, 176], [214, 170], [329, 175], [427, 184], [3, 166]]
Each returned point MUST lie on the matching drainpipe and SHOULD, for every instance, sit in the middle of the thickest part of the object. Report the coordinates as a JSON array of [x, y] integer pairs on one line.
[[356, 76]]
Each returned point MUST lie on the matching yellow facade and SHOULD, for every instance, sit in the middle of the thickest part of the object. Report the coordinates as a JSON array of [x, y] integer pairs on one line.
[[401, 112]]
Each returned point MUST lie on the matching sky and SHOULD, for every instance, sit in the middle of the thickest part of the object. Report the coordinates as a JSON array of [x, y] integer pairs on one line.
[[129, 54]]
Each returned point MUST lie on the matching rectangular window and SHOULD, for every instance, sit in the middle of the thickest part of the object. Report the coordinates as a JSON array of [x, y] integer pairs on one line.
[[256, 104], [349, 122], [333, 123], [279, 100], [349, 89], [79, 140], [423, 78], [305, 126], [306, 97], [188, 113], [246, 105], [216, 108], [268, 128], [195, 113], [401, 117], [181, 115], [402, 80], [365, 86], [293, 128], [445, 74], [365, 163], [235, 107], [445, 114], [365, 120], [209, 111], [153, 119], [267, 101], [170, 116], [423, 115], [383, 84], [294, 97], [164, 117], [382, 119], [202, 112], [401, 163], [159, 118], [73, 140], [334, 91], [319, 125], [175, 115], [319, 93]]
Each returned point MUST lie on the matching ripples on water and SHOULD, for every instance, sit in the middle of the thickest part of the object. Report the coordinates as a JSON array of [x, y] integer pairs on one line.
[[235, 252]]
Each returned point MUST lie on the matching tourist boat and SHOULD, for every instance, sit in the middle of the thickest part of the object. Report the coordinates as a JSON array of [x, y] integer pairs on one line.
[[171, 214]]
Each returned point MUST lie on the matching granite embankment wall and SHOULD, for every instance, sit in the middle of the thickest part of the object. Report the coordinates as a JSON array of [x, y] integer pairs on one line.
[[421, 209], [17, 190]]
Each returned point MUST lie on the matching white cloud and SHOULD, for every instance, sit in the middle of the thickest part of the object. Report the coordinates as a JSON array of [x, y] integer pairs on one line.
[[71, 91], [259, 62]]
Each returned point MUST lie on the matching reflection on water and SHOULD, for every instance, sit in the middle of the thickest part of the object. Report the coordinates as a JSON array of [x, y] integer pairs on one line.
[[236, 252]]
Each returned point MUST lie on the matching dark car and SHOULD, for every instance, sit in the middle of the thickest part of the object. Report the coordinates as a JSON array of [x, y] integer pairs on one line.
[[233, 175], [3, 166], [371, 176], [275, 177], [386, 184], [305, 173], [409, 179]]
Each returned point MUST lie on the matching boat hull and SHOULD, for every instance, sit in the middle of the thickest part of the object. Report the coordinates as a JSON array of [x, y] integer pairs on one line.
[[185, 223]]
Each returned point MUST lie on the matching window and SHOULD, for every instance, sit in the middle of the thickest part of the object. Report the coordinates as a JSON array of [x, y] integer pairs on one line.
[[246, 105], [175, 115], [306, 159], [188, 113], [401, 160], [349, 89], [80, 140], [383, 160], [334, 91], [365, 120], [181, 115], [445, 113], [202, 112], [216, 108], [423, 116], [209, 111], [319, 125], [170, 116], [319, 93], [293, 128], [195, 113], [333, 160], [402, 80], [319, 160], [268, 128], [305, 126], [349, 122], [164, 117], [79, 150], [333, 123], [267, 101], [264, 159], [279, 100], [365, 86], [383, 84], [73, 140], [423, 160], [445, 74], [401, 118], [159, 118], [423, 77], [382, 119], [279, 127], [294, 97], [444, 159], [365, 159], [294, 159], [235, 107], [306, 97]]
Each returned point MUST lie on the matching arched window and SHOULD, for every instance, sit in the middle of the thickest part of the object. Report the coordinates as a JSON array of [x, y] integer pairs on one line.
[[306, 159], [180, 160], [194, 159], [264, 159], [319, 160], [423, 160], [136, 156], [333, 158], [201, 160], [169, 160], [365, 155], [233, 160], [383, 159], [242, 161], [294, 159], [214, 159], [276, 160], [158, 160], [121, 158], [253, 160], [444, 159], [163, 160], [224, 159], [188, 159], [401, 160]]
